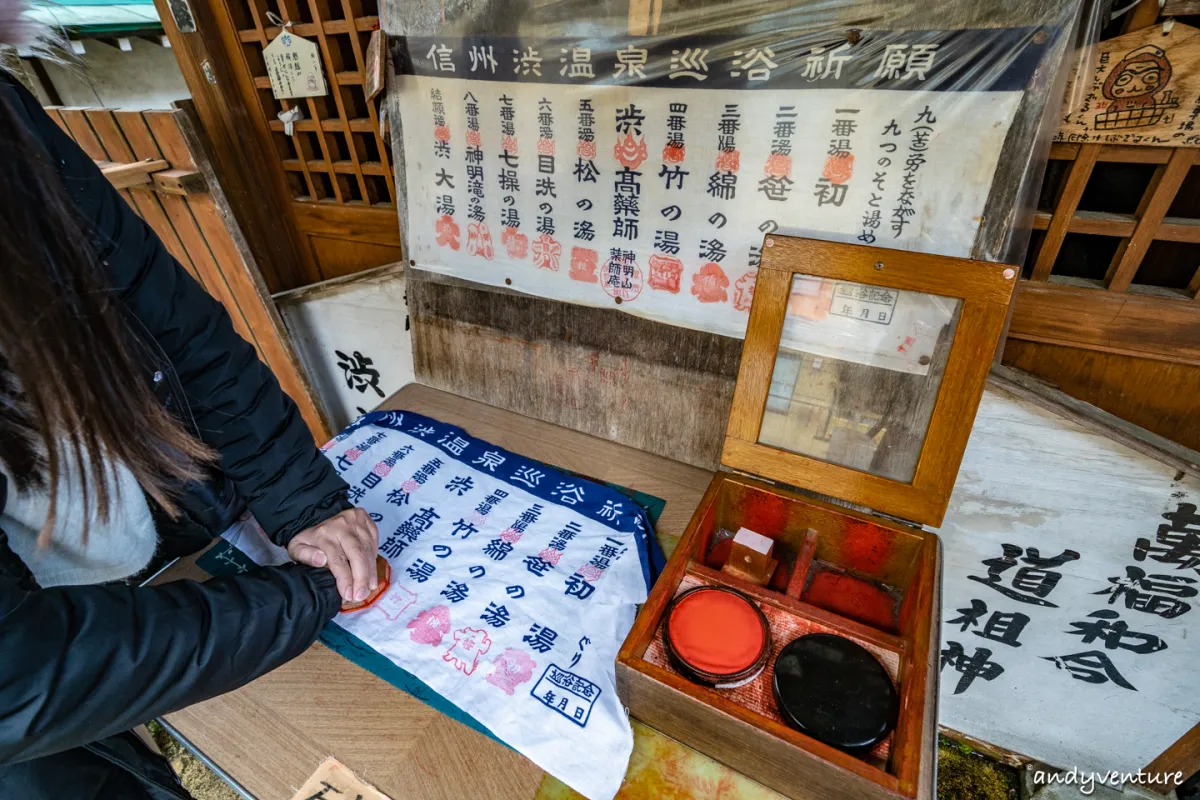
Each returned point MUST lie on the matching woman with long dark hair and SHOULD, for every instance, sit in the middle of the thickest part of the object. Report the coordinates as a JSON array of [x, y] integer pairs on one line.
[[134, 423]]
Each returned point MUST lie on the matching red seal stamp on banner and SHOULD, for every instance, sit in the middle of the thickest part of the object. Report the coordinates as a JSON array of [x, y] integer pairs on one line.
[[839, 168], [621, 277], [665, 272], [584, 265], [709, 284], [729, 160]]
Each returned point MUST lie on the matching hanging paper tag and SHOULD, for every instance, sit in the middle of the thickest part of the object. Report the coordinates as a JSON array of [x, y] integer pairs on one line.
[[294, 66]]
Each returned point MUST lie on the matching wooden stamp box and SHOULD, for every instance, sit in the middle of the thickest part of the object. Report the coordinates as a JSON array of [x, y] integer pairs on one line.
[[861, 373]]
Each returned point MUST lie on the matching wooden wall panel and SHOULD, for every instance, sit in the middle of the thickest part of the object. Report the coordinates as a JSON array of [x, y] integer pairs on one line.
[[341, 257], [655, 387], [1141, 325], [1157, 395], [198, 228]]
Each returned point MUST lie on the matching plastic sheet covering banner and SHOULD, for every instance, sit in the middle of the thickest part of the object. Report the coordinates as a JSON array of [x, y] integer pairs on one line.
[[645, 173]]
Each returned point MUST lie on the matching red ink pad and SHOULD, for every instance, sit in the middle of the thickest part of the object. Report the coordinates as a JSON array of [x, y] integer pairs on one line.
[[716, 636], [857, 599], [383, 571], [835, 691]]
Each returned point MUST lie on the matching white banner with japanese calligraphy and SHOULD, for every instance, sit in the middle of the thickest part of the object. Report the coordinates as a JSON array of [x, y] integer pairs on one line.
[[598, 181], [513, 586]]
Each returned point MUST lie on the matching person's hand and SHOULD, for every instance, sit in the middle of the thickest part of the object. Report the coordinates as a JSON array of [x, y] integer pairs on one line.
[[346, 544]]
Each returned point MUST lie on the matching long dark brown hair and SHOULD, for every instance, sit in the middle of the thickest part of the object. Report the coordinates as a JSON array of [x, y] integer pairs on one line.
[[70, 390]]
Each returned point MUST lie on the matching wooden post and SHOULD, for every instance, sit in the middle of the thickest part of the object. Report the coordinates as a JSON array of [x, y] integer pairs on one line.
[[1064, 210], [1142, 16], [1153, 207]]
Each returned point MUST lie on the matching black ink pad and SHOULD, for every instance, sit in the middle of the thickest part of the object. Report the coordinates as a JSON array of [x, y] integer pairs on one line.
[[835, 691]]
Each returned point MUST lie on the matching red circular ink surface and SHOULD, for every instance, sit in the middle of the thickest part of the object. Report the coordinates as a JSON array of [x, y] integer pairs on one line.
[[384, 574], [716, 631]]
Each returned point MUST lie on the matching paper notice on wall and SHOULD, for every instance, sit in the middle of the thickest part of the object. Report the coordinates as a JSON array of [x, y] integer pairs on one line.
[[647, 178]]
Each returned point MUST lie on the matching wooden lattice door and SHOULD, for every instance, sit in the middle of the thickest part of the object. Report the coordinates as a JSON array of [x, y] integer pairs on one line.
[[333, 171]]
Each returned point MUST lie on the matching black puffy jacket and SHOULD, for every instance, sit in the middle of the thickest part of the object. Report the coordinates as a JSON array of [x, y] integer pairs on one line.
[[81, 663]]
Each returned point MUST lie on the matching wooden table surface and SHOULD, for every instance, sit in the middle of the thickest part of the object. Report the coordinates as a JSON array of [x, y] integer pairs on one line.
[[272, 734]]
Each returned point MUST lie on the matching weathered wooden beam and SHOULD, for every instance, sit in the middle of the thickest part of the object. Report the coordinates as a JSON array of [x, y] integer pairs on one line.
[[1180, 8], [1134, 324], [180, 181], [137, 173]]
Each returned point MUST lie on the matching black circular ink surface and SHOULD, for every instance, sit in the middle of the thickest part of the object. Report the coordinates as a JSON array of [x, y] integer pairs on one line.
[[835, 691]]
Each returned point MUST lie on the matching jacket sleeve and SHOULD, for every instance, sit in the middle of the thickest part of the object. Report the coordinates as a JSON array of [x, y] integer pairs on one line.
[[84, 662], [236, 403]]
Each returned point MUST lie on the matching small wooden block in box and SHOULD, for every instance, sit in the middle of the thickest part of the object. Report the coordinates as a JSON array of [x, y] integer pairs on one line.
[[861, 373]]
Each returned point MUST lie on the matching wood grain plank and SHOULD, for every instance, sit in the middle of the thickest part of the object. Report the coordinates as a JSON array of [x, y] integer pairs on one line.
[[350, 8], [244, 285], [134, 173], [1157, 395], [53, 113], [919, 678], [1127, 323], [754, 745], [107, 137], [1030, 388], [241, 143], [81, 131], [1153, 207], [144, 145], [1064, 210], [1143, 15], [1115, 153], [655, 387], [758, 354], [147, 205], [1182, 757], [803, 564], [1179, 229], [371, 225], [331, 68], [1181, 8], [1105, 223]]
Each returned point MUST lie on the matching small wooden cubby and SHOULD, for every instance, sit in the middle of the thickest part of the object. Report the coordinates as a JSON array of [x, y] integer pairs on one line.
[[858, 574]]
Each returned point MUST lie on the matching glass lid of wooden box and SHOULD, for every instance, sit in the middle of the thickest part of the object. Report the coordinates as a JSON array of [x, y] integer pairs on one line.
[[862, 370]]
